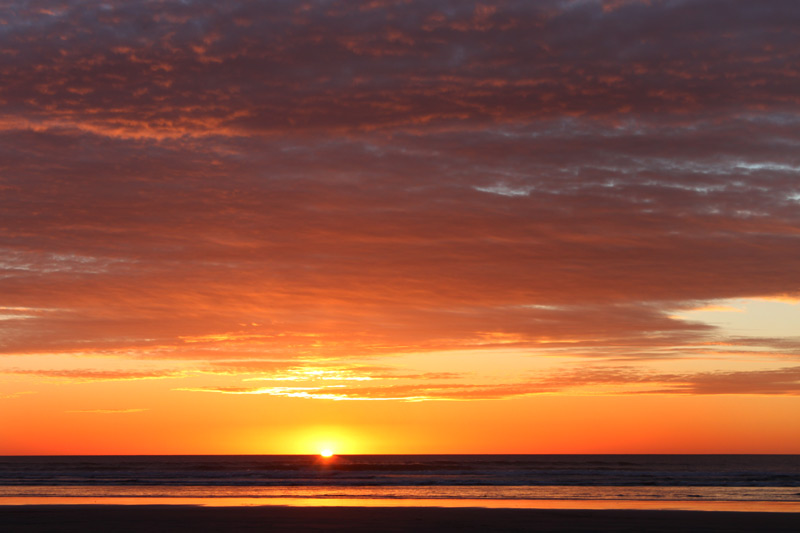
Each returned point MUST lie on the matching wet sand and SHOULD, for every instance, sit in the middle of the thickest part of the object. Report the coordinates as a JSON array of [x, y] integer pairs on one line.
[[164, 518]]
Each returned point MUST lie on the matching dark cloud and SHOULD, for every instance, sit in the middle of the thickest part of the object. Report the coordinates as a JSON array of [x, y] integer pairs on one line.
[[287, 180], [778, 381], [775, 381], [169, 68]]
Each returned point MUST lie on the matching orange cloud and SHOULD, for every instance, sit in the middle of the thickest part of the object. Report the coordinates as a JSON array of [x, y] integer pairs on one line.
[[96, 375], [623, 380], [108, 411], [301, 193]]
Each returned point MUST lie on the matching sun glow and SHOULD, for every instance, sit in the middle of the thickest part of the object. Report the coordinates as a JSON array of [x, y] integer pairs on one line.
[[338, 439], [326, 453]]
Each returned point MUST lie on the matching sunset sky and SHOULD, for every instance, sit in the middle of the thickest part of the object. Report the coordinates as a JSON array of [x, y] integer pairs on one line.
[[420, 226]]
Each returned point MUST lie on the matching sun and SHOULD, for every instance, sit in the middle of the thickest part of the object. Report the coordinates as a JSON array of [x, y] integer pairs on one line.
[[326, 453]]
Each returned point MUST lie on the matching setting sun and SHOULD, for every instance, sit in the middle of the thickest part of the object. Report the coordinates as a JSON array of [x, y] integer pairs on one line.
[[376, 264]]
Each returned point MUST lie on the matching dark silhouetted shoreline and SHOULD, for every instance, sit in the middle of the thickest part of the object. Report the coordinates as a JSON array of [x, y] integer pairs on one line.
[[171, 518]]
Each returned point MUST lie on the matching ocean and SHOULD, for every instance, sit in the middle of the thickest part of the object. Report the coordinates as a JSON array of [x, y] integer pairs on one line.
[[744, 482]]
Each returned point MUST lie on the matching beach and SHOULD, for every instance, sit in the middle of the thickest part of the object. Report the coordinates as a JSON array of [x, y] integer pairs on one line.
[[416, 493], [198, 519]]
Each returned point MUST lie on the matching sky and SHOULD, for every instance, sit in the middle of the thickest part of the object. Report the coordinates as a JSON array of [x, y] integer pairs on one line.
[[416, 226]]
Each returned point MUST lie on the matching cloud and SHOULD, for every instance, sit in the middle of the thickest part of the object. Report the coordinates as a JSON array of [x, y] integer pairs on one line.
[[95, 375], [273, 183], [609, 379], [406, 393], [718, 309], [107, 411], [13, 395], [132, 69], [774, 381], [779, 381]]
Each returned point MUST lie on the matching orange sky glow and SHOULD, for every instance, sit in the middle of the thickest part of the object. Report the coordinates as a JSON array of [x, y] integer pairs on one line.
[[399, 227]]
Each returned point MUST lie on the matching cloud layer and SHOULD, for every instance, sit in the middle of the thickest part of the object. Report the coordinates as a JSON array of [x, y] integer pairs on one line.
[[328, 180]]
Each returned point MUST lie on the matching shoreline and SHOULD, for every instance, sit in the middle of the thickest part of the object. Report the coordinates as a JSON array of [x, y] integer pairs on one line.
[[742, 506], [200, 519]]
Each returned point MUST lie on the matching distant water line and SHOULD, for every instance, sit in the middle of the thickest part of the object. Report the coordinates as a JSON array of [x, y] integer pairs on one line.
[[441, 480], [781, 494]]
